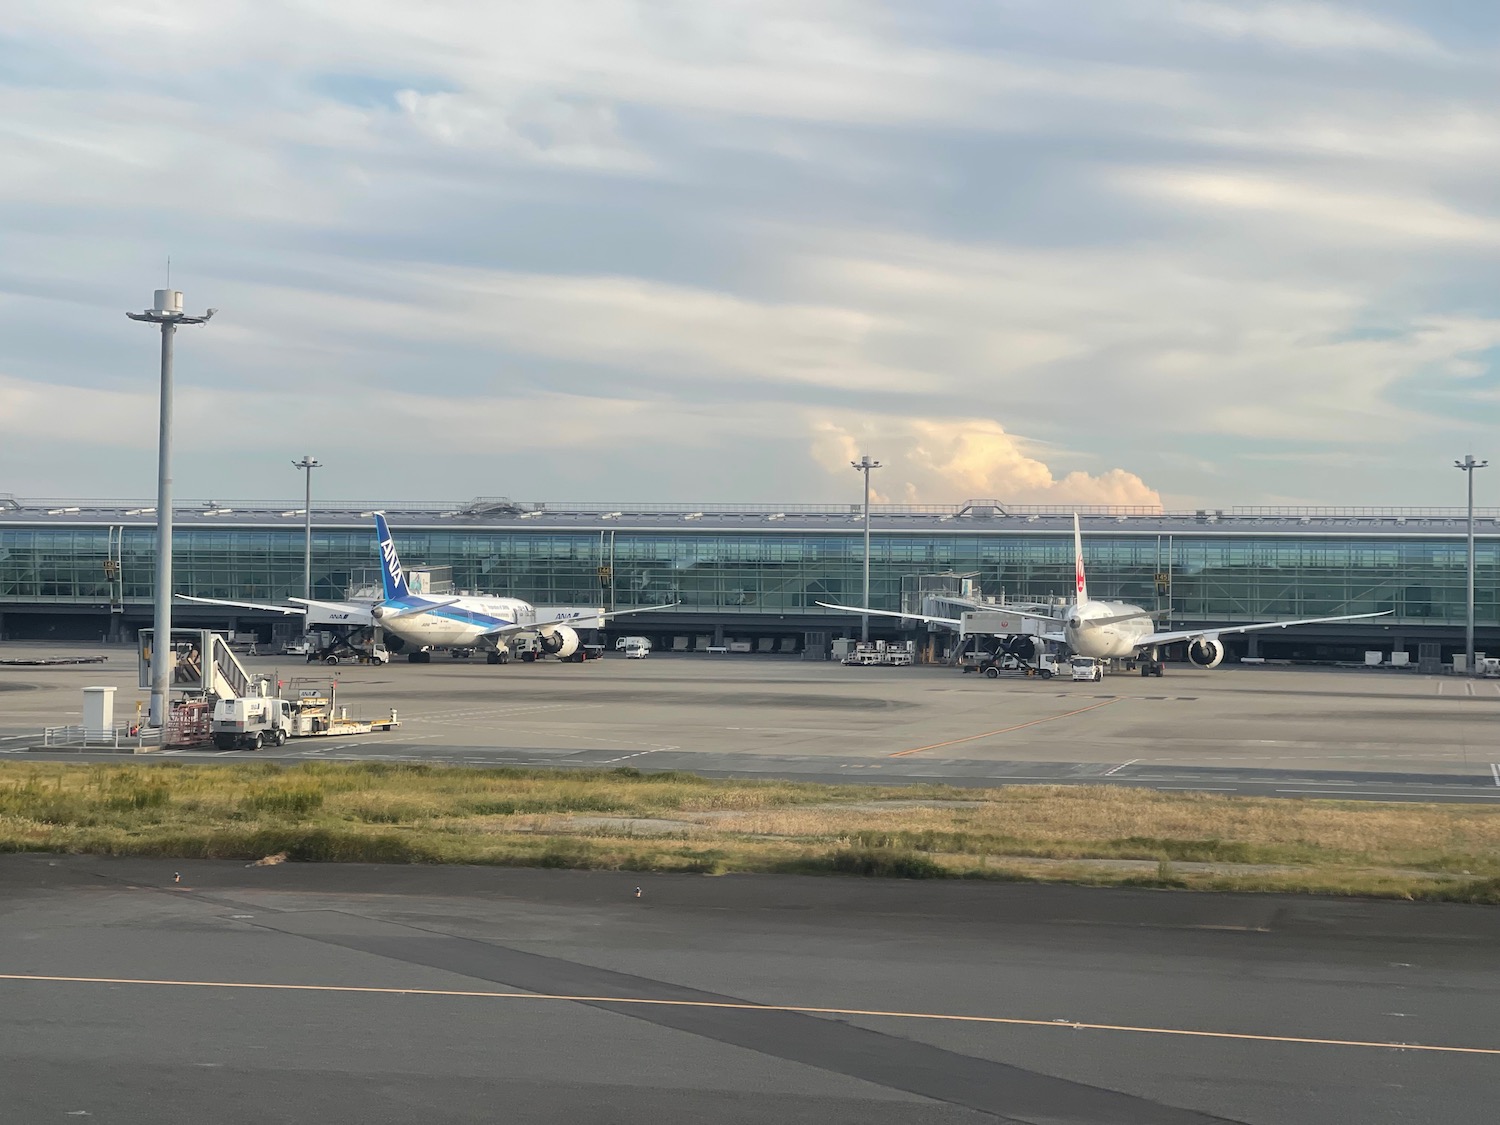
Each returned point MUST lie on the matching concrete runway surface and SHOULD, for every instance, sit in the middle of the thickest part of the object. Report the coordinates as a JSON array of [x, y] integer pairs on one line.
[[1268, 731], [363, 994]]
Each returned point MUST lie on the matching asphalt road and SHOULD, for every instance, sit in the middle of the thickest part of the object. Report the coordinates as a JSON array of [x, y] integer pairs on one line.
[[1270, 731], [359, 994]]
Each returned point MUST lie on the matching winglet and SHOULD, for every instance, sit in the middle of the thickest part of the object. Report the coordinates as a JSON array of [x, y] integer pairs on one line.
[[1080, 581], [392, 580]]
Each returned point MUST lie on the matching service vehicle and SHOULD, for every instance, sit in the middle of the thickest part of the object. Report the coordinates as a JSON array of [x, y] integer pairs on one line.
[[633, 642], [1043, 666], [1086, 668], [350, 654], [636, 652], [251, 722]]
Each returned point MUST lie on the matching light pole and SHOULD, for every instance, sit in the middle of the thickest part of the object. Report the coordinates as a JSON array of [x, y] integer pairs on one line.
[[1469, 465], [307, 464], [167, 312], [864, 465]]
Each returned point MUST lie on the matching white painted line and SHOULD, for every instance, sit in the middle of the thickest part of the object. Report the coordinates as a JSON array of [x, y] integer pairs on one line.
[[1122, 765], [1391, 793], [1495, 771]]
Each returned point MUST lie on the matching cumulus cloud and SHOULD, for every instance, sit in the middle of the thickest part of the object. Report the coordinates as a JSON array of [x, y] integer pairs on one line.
[[948, 460]]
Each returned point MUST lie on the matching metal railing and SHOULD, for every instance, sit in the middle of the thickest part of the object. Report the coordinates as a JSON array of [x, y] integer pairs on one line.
[[121, 736]]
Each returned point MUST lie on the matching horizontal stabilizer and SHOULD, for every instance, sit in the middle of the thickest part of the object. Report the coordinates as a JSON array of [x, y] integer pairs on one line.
[[390, 613]]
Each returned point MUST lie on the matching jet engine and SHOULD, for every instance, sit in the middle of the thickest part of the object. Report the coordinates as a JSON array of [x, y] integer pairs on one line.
[[1206, 652], [561, 641], [1021, 647]]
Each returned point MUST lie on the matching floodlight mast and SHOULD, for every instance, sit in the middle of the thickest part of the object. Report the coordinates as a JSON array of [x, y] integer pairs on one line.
[[307, 464], [1469, 465], [167, 312], [864, 465]]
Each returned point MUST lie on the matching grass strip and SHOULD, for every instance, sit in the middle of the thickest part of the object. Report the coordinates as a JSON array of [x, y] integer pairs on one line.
[[628, 820]]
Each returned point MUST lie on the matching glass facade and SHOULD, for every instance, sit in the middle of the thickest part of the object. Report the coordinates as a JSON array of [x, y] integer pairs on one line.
[[1223, 577]]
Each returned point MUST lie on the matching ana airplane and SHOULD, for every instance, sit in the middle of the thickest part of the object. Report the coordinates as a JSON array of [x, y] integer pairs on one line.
[[1119, 630], [426, 621]]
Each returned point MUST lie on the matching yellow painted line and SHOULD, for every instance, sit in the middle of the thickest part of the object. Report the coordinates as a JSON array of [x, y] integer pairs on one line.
[[1007, 730], [743, 1006]]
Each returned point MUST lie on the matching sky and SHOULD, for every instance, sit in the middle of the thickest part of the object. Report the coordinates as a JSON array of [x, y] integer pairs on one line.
[[1180, 252]]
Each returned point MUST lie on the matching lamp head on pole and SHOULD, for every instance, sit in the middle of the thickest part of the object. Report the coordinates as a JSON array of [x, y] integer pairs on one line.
[[308, 462], [1468, 463], [864, 464]]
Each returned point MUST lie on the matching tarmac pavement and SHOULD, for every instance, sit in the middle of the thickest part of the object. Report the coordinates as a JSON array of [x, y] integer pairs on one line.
[[358, 993], [1254, 730]]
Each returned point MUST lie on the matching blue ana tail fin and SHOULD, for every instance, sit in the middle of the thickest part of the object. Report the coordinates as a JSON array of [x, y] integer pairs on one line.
[[392, 580]]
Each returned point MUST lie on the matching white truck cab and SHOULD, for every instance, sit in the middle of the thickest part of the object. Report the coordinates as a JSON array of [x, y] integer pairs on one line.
[[636, 651], [1086, 668]]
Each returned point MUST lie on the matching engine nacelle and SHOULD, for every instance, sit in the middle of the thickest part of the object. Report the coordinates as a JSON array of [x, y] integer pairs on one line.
[[1206, 652], [1021, 647], [561, 641]]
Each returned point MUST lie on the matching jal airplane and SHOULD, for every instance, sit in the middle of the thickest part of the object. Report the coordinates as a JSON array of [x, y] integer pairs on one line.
[[426, 621], [1119, 630]]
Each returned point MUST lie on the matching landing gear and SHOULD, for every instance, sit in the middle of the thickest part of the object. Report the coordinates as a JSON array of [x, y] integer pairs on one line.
[[1152, 665], [497, 657], [420, 657]]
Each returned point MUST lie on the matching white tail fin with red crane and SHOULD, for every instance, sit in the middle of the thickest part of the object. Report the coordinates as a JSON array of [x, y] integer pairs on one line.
[[1082, 591]]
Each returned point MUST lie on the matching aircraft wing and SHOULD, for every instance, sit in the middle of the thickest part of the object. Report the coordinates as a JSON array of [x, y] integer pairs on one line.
[[289, 610], [336, 613], [1192, 634], [953, 621], [573, 619]]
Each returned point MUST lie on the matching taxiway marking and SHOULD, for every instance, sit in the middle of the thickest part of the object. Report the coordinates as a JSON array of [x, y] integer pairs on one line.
[[1495, 770], [746, 1006], [1007, 730]]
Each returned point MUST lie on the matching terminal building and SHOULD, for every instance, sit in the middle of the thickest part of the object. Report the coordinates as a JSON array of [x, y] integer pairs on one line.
[[754, 573]]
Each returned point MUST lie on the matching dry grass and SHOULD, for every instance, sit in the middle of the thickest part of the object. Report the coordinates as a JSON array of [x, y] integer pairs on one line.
[[414, 813]]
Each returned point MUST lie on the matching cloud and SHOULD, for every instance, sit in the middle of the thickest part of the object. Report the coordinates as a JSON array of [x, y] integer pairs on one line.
[[1364, 215], [1304, 25], [948, 460]]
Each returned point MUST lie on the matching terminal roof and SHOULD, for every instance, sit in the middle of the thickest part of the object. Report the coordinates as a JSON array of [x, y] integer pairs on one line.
[[973, 516]]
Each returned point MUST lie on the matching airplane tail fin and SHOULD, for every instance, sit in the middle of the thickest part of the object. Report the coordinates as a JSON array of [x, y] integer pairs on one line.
[[392, 580], [1079, 580]]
